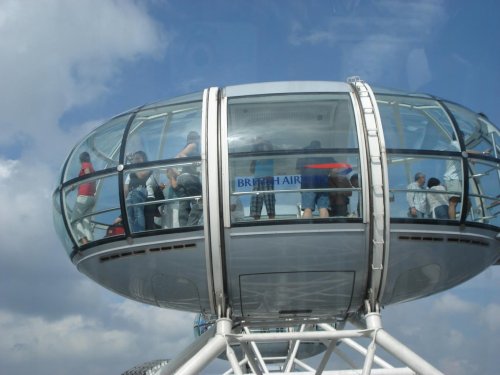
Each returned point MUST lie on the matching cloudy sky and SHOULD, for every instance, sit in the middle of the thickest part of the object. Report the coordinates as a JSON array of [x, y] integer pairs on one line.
[[67, 66]]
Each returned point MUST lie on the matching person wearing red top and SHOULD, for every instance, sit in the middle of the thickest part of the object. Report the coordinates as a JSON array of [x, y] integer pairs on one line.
[[85, 201]]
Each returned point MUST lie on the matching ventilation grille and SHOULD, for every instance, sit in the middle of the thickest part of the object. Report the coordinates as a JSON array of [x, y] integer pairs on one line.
[[455, 240], [144, 251]]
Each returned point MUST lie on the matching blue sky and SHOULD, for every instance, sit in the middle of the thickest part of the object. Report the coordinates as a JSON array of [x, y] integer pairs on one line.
[[67, 66]]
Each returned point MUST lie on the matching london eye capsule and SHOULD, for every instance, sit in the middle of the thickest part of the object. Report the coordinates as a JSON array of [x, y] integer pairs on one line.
[[284, 201]]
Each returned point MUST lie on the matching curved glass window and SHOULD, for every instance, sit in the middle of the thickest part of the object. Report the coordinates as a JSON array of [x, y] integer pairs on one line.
[[420, 186], [293, 156], [189, 98], [484, 197], [57, 217], [414, 123], [92, 207], [476, 130], [164, 197], [102, 147], [162, 133]]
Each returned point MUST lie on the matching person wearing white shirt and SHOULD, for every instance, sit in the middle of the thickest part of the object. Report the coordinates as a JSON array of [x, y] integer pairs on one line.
[[452, 181], [438, 201], [417, 201]]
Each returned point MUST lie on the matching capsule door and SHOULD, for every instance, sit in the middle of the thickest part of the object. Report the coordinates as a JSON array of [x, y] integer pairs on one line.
[[294, 241]]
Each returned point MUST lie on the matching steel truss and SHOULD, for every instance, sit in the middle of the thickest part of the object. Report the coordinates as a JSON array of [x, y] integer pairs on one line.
[[221, 339]]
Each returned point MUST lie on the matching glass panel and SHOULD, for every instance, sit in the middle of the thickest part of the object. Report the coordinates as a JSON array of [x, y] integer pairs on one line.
[[273, 187], [161, 133], [164, 197], [425, 186], [92, 205], [484, 196], [475, 129], [414, 123], [102, 148], [263, 131], [189, 98], [291, 122], [57, 216]]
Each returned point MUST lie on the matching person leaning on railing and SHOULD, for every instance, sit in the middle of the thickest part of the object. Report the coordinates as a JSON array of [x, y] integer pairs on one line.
[[417, 201]]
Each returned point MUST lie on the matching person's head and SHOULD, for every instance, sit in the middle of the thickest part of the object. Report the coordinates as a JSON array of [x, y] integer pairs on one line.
[[192, 137], [354, 180], [139, 157], [84, 157], [261, 144], [313, 145], [433, 181], [420, 178]]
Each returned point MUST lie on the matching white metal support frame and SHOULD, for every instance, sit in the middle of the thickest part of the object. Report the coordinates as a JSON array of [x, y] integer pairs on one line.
[[379, 197], [222, 338], [212, 226]]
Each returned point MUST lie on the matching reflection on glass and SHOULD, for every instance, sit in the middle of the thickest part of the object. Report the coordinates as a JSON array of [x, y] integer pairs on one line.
[[57, 216], [484, 196], [414, 123], [102, 146], [476, 130], [291, 122], [161, 132]]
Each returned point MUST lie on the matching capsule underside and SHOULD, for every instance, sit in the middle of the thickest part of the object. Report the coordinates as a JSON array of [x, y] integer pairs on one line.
[[261, 211]]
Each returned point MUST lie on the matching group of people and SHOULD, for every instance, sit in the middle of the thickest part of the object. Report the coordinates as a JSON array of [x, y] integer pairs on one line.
[[145, 196], [433, 200], [322, 172], [142, 186], [319, 174]]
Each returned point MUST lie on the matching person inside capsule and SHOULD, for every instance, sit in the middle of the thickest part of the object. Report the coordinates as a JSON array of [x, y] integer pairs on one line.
[[354, 180], [314, 177], [141, 186], [452, 180], [187, 183], [339, 200], [85, 201], [263, 172], [417, 201], [192, 147], [438, 201]]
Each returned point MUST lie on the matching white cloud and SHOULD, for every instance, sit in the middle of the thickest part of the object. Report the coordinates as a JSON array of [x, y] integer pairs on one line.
[[450, 304], [81, 344], [418, 69], [56, 54], [452, 330], [458, 366], [26, 199], [376, 39], [6, 169], [490, 317], [72, 336]]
